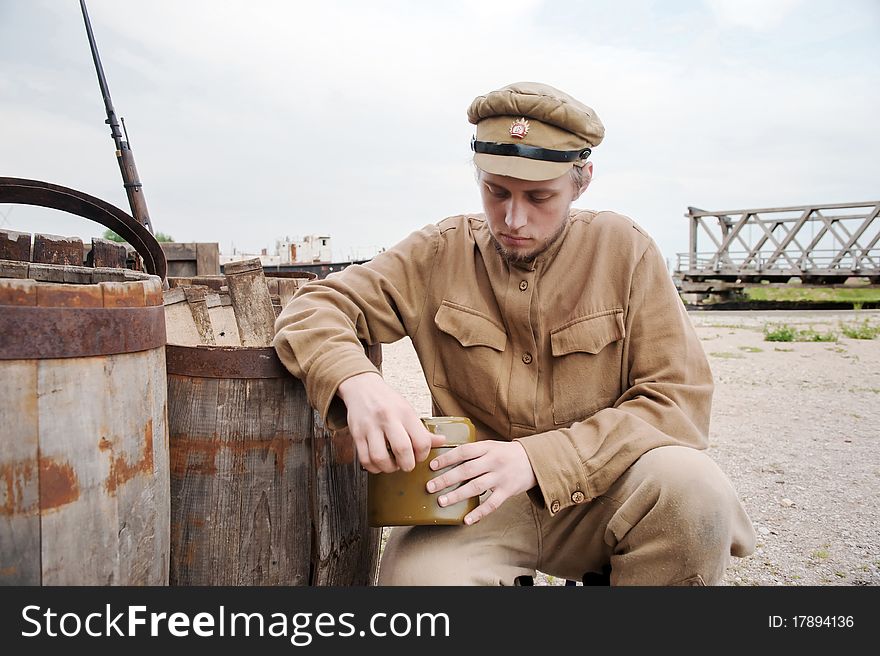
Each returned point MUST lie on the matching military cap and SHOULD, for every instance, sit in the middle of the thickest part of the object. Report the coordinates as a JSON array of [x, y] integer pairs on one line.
[[532, 131]]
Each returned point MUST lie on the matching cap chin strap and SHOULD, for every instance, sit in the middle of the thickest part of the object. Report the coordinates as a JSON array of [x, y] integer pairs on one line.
[[529, 152]]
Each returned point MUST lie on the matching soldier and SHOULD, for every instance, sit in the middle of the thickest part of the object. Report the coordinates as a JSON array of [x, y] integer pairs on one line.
[[560, 334]]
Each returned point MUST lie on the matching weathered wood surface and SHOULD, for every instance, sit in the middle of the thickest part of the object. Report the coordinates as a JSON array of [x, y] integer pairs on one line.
[[217, 283], [179, 325], [12, 269], [80, 275], [19, 474], [223, 320], [15, 246], [347, 549], [207, 259], [195, 298], [106, 253], [192, 258], [84, 465], [53, 249], [249, 293], [287, 287], [262, 493], [241, 453]]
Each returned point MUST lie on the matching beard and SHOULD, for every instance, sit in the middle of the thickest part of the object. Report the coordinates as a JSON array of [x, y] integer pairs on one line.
[[518, 257]]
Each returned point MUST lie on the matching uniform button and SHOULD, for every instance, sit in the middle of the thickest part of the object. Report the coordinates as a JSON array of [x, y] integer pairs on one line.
[[578, 497], [555, 506], [524, 285], [527, 358]]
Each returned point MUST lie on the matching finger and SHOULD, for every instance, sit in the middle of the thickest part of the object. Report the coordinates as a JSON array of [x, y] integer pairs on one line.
[[489, 505], [364, 455], [358, 436], [422, 439], [459, 454], [473, 488], [378, 448], [457, 474], [401, 446]]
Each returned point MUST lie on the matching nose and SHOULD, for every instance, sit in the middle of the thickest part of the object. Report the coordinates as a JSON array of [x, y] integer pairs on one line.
[[515, 217]]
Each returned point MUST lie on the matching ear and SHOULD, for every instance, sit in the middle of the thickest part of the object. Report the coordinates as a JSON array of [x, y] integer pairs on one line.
[[588, 176]]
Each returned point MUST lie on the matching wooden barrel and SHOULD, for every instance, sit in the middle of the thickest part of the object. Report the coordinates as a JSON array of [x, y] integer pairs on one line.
[[84, 484], [261, 492]]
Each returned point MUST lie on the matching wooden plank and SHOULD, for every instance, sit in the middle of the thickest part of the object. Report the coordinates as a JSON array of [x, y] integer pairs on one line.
[[12, 269], [347, 549], [179, 325], [178, 281], [240, 481], [250, 300], [173, 295], [19, 474], [287, 288], [152, 291], [15, 246], [175, 251], [136, 446], [106, 253], [64, 295], [75, 509], [207, 259], [51, 273], [103, 470], [53, 249], [106, 274], [182, 268], [223, 320], [195, 297], [18, 292], [273, 507], [192, 421]]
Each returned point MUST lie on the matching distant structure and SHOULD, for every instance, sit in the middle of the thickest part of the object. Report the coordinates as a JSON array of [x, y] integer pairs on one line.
[[820, 244], [312, 253]]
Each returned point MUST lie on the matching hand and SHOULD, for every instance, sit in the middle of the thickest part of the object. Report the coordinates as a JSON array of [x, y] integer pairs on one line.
[[500, 467], [378, 419]]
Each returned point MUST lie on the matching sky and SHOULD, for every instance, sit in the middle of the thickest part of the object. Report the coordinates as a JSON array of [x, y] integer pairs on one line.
[[252, 121]]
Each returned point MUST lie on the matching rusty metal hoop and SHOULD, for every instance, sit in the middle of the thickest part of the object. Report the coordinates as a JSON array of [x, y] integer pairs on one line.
[[46, 194]]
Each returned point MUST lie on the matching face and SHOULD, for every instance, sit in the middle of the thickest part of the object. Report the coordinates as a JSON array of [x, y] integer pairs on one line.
[[526, 216]]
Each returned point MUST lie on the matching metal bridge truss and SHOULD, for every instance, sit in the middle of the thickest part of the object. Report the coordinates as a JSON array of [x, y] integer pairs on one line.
[[817, 243]]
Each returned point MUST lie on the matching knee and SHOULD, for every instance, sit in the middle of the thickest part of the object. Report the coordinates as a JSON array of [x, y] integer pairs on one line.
[[683, 493], [413, 557]]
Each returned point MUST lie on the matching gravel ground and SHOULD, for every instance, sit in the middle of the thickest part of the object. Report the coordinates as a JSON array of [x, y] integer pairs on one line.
[[796, 427]]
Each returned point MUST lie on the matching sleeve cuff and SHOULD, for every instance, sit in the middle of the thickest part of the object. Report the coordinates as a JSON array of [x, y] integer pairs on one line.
[[561, 476], [334, 370]]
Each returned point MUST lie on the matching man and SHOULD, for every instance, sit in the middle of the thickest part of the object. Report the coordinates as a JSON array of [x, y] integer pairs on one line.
[[559, 333]]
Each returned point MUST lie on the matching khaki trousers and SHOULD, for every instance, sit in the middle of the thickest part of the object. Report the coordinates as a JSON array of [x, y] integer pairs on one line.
[[672, 519]]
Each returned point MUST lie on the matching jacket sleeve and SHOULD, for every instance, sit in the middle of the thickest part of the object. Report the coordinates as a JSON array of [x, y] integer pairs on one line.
[[318, 333], [666, 400]]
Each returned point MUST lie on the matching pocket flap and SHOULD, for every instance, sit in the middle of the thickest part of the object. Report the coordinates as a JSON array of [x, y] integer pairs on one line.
[[468, 328], [588, 334]]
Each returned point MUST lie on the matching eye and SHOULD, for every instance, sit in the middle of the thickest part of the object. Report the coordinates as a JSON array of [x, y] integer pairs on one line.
[[540, 198]]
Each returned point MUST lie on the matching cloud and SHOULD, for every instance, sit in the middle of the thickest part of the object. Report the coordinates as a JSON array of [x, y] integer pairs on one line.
[[758, 15], [252, 121]]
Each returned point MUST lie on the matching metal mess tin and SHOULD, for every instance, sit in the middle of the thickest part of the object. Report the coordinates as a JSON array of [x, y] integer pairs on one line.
[[401, 499]]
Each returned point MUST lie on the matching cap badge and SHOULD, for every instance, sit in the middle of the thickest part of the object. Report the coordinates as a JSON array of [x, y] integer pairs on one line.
[[519, 128]]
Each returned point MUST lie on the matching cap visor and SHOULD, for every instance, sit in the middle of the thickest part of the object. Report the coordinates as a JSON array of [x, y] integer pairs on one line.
[[520, 167]]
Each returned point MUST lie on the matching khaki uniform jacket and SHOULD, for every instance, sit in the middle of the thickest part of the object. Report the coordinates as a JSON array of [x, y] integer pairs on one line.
[[585, 355]]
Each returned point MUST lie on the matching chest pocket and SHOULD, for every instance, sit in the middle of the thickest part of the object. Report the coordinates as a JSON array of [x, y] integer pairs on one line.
[[468, 357], [586, 365]]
